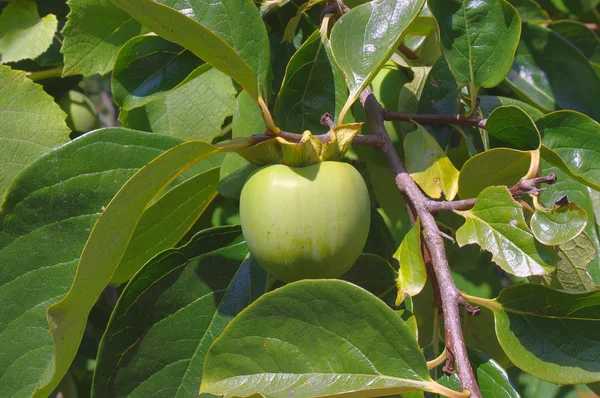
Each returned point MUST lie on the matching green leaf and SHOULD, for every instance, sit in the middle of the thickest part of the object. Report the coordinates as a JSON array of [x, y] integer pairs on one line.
[[551, 335], [575, 138], [584, 39], [173, 309], [298, 338], [513, 128], [412, 275], [229, 34], [41, 240], [487, 103], [479, 39], [498, 166], [312, 87], [373, 273], [571, 269], [31, 124], [529, 10], [364, 39], [496, 223], [23, 34], [558, 225], [194, 111], [106, 245], [147, 68], [552, 74], [166, 221], [95, 32], [440, 94], [380, 240], [429, 166]]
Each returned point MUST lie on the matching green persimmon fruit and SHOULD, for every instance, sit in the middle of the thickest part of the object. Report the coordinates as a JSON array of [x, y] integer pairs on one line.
[[81, 113], [305, 222]]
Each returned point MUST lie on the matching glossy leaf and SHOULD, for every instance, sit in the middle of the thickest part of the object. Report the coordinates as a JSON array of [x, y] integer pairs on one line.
[[496, 223], [551, 335], [312, 87], [571, 269], [498, 166], [194, 111], [530, 10], [228, 34], [173, 310], [23, 34], [552, 74], [31, 124], [511, 127], [277, 345], [412, 275], [558, 225], [487, 104], [365, 38], [95, 32], [166, 221], [478, 38], [41, 240], [106, 245], [147, 68], [575, 138], [429, 166]]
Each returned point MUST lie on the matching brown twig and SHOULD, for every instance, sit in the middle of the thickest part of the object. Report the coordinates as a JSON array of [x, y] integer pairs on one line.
[[434, 119]]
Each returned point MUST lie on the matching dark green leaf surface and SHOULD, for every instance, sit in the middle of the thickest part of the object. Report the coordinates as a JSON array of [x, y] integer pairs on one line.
[[228, 34], [23, 34], [31, 124], [559, 224], [552, 335], [41, 240], [440, 94], [95, 32], [380, 240], [373, 273], [314, 338], [365, 38], [529, 10], [194, 111], [172, 311], [498, 166], [497, 224], [478, 38], [552, 74], [147, 68], [578, 35], [312, 87], [511, 127], [166, 221], [487, 103], [571, 269], [576, 139]]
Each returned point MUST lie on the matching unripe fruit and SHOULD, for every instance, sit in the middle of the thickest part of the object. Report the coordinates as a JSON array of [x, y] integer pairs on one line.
[[81, 114], [306, 222]]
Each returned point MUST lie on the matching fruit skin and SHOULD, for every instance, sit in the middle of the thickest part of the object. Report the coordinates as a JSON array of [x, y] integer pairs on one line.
[[81, 114], [306, 222]]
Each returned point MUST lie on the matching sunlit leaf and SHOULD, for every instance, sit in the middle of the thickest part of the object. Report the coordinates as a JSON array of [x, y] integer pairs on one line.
[[561, 223], [412, 275], [571, 268], [511, 127]]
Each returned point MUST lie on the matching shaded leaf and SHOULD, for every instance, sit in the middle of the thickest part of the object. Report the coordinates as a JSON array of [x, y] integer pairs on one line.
[[578, 35], [571, 268], [412, 274], [23, 34], [373, 273], [513, 128], [429, 166], [558, 225], [365, 38], [41, 240], [95, 32], [277, 346], [440, 94], [487, 103], [147, 68], [529, 10], [173, 309], [31, 124], [496, 223]]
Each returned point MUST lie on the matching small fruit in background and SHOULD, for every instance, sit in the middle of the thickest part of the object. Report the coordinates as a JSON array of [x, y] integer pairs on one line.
[[81, 112]]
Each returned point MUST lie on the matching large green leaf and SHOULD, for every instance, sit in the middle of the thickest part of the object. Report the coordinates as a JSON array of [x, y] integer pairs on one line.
[[479, 39], [440, 94], [314, 338], [194, 111], [166, 221], [487, 103], [228, 34], [559, 224], [550, 334], [497, 224], [23, 34], [93, 35], [576, 139], [30, 124], [46, 217], [173, 309], [578, 35], [412, 274], [105, 247], [509, 126], [571, 269], [147, 68], [365, 38], [552, 74], [312, 87]]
